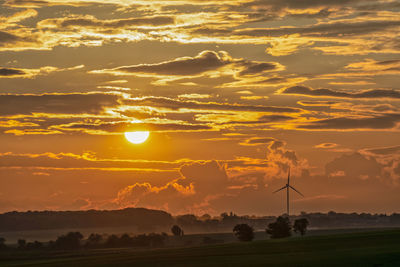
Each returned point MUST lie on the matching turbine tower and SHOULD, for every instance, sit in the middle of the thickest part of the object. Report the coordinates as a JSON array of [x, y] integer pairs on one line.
[[288, 186]]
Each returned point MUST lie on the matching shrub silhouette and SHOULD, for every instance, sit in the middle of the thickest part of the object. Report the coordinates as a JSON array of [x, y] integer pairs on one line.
[[94, 240], [112, 241], [72, 240], [300, 225], [2, 243], [21, 243], [280, 228], [177, 231], [244, 232], [143, 240], [34, 245]]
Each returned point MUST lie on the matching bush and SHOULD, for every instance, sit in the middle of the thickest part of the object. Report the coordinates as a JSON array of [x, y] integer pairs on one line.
[[244, 232], [112, 241], [300, 225], [72, 240], [177, 231], [34, 245], [280, 228], [94, 241], [2, 243], [21, 243]]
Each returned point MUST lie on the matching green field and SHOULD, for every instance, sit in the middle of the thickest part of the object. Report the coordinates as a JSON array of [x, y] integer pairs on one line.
[[373, 248]]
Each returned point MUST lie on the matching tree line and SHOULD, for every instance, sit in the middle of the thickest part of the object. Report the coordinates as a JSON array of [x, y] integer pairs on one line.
[[281, 228], [145, 220], [75, 240]]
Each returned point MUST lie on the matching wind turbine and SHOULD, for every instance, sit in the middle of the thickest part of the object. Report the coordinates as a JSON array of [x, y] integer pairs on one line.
[[288, 186]]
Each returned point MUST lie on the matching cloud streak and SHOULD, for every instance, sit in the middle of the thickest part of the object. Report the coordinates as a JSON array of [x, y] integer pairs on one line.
[[367, 94]]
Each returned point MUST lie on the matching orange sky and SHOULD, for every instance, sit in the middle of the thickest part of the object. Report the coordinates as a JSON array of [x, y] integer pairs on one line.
[[232, 92]]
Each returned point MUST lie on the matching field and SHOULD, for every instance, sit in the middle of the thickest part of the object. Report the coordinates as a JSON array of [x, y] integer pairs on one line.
[[371, 248]]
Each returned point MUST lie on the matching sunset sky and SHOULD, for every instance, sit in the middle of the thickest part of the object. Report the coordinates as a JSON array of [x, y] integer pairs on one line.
[[232, 93]]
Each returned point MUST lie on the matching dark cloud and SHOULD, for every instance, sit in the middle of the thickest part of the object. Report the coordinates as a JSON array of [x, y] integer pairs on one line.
[[205, 61], [117, 23], [169, 103], [354, 165], [324, 29], [384, 150], [388, 62], [264, 120], [282, 157], [368, 94], [387, 121], [317, 103], [254, 68], [127, 127], [10, 72], [7, 37], [295, 4], [201, 63], [78, 161], [56, 103]]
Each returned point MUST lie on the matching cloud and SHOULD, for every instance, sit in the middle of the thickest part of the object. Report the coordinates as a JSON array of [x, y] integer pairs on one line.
[[124, 126], [256, 141], [85, 161], [92, 22], [383, 150], [198, 182], [370, 65], [318, 103], [331, 29], [203, 62], [11, 72], [74, 103], [32, 73], [7, 38], [355, 165], [387, 121], [206, 63], [280, 4], [164, 102], [11, 21], [326, 145], [367, 94]]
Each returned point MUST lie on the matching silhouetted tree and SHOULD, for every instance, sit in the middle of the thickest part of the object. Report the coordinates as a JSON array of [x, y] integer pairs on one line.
[[34, 245], [244, 232], [187, 220], [300, 225], [280, 228], [177, 231], [2, 243], [72, 240], [125, 240], [21, 243], [112, 241], [94, 240], [157, 240]]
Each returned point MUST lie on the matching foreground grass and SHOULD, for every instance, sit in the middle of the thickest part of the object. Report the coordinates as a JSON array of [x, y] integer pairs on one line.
[[379, 248]]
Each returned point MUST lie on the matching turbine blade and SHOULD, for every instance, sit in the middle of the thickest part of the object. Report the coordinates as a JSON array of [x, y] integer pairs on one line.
[[288, 176], [280, 189], [296, 190]]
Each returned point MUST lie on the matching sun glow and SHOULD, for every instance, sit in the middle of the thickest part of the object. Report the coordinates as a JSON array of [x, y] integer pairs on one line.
[[137, 137]]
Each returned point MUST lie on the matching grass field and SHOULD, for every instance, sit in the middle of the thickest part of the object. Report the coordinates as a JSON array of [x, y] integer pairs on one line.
[[373, 248]]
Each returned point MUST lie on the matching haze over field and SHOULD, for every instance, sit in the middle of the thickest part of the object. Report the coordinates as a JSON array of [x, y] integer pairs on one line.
[[225, 95]]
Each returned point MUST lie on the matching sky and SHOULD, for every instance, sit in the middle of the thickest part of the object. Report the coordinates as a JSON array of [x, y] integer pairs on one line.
[[233, 94]]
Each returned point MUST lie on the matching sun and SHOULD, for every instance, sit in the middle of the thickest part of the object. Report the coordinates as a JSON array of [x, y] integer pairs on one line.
[[137, 137]]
